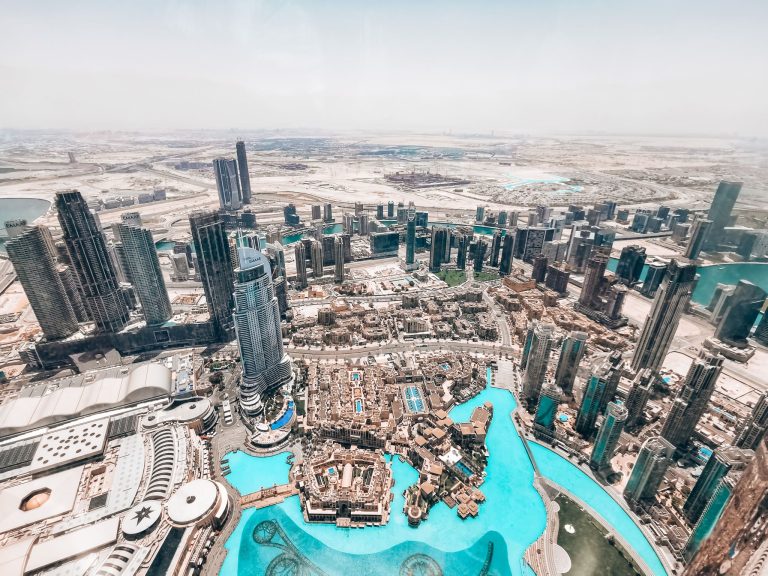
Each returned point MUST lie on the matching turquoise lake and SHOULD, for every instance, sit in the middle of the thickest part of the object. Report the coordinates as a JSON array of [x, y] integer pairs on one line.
[[28, 209], [512, 517]]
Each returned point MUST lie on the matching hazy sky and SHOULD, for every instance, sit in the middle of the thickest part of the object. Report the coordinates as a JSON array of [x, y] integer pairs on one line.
[[669, 66]]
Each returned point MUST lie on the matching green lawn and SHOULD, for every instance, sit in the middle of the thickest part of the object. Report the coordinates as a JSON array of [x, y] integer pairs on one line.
[[484, 276], [452, 277]]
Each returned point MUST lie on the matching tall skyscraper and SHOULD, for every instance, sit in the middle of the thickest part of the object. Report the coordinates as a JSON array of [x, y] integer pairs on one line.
[[481, 248], [740, 314], [462, 246], [215, 268], [301, 265], [546, 411], [316, 258], [480, 214], [720, 212], [723, 460], [257, 325], [143, 269], [505, 267], [752, 431], [495, 249], [639, 393], [73, 292], [696, 242], [692, 399], [653, 278], [660, 327], [630, 265], [437, 249], [328, 212], [593, 279], [598, 391], [87, 250], [410, 239], [227, 184], [390, 209], [538, 344], [242, 169], [539, 272], [317, 212], [338, 252], [501, 220], [33, 256], [571, 352], [711, 515], [652, 462], [608, 437]]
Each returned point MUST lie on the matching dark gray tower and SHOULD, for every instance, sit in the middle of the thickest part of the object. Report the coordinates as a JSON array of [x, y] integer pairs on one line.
[[300, 256], [410, 238], [720, 212], [630, 264], [214, 262], [242, 169], [90, 260], [143, 269], [639, 393], [752, 430], [227, 184], [740, 314], [652, 463], [33, 255], [505, 267], [571, 352]]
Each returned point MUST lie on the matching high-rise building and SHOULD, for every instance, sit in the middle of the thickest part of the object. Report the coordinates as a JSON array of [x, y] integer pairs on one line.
[[87, 250], [608, 437], [481, 247], [593, 279], [380, 211], [316, 258], [501, 220], [571, 353], [530, 241], [480, 214], [328, 212], [692, 399], [338, 253], [639, 393], [557, 278], [538, 344], [317, 211], [653, 278], [242, 169], [696, 242], [661, 324], [300, 255], [437, 249], [711, 515], [33, 255], [257, 324], [505, 266], [720, 212], [546, 411], [740, 314], [495, 249], [752, 430], [143, 269], [363, 228], [739, 526], [72, 291], [290, 216], [539, 272], [723, 460], [215, 268], [462, 246], [410, 239], [630, 265], [652, 462], [390, 209], [227, 184], [599, 390]]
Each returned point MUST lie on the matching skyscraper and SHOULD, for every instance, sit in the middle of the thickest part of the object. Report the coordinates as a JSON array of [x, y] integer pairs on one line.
[[316, 258], [143, 269], [481, 247], [652, 462], [480, 214], [227, 184], [720, 212], [328, 212], [462, 245], [257, 325], [215, 268], [630, 264], [653, 278], [390, 209], [242, 169], [495, 249], [740, 314], [505, 267], [90, 260], [639, 393], [437, 249], [539, 272], [752, 431], [711, 515], [723, 460], [538, 344], [338, 253], [593, 278], [608, 437], [410, 239], [546, 410], [501, 220], [692, 399], [300, 254], [660, 326], [696, 242], [33, 255], [598, 391], [571, 352], [317, 212]]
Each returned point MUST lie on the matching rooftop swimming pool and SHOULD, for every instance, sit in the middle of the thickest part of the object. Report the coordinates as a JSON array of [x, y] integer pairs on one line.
[[285, 417], [276, 539]]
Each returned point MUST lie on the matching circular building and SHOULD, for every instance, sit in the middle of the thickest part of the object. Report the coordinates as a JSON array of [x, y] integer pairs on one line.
[[198, 503]]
